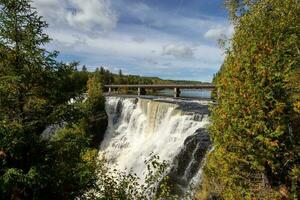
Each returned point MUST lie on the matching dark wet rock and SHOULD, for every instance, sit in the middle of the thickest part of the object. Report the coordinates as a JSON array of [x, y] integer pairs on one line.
[[194, 107], [117, 112], [188, 162], [96, 126], [198, 117]]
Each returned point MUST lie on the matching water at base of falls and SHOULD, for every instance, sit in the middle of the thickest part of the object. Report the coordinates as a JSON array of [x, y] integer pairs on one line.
[[175, 131]]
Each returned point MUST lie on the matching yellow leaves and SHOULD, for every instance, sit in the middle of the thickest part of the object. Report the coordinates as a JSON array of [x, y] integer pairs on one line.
[[297, 106], [264, 73], [284, 191], [279, 108], [2, 154], [274, 143], [34, 103], [89, 155], [222, 150], [94, 87], [271, 144], [8, 124]]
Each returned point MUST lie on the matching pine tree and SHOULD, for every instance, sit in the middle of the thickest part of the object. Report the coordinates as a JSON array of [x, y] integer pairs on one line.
[[120, 77], [34, 93], [84, 69], [31, 72]]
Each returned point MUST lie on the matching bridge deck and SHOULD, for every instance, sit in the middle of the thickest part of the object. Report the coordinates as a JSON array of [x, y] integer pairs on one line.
[[141, 89], [171, 86]]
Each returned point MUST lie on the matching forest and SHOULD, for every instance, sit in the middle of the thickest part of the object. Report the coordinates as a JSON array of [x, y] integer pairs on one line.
[[108, 78], [255, 124]]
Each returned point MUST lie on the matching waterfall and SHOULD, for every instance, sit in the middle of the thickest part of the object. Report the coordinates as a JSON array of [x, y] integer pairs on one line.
[[176, 131]]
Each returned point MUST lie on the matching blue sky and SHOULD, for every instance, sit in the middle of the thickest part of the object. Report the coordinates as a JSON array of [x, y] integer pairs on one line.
[[171, 39]]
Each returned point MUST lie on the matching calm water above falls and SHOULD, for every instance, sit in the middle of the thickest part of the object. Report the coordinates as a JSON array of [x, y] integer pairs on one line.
[[173, 129], [192, 93]]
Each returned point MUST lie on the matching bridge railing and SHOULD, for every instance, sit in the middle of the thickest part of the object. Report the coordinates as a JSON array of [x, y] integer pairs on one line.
[[141, 89]]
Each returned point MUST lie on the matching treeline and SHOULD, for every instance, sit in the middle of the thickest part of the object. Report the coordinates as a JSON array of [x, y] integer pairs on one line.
[[106, 77], [256, 123]]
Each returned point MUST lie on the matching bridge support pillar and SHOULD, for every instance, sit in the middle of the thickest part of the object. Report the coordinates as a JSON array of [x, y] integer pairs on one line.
[[176, 92], [141, 91]]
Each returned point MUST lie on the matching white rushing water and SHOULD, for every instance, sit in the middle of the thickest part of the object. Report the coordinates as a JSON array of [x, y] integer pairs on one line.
[[138, 127]]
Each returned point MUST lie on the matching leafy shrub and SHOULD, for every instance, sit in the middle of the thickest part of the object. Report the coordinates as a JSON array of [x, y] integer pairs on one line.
[[255, 125]]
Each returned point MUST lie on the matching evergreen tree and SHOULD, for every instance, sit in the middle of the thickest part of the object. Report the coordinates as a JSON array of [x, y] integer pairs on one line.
[[34, 94], [120, 77], [84, 69]]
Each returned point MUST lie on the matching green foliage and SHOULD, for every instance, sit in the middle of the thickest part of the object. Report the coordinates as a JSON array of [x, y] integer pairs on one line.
[[118, 185], [72, 164], [104, 76], [94, 92], [255, 125], [35, 93], [95, 120]]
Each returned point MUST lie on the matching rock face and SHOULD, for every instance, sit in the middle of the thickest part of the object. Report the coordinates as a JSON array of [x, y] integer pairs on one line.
[[97, 126], [188, 162]]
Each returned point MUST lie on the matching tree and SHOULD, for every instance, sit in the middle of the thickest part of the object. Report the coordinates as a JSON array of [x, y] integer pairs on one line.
[[35, 91], [95, 121], [255, 125], [84, 69], [27, 69], [120, 77]]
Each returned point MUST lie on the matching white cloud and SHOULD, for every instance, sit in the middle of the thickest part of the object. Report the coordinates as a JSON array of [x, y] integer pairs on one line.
[[80, 14], [147, 40], [92, 13], [178, 51], [218, 32], [158, 18], [138, 39], [52, 10], [139, 10]]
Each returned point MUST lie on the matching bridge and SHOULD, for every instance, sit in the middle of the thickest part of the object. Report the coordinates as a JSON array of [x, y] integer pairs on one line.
[[141, 89]]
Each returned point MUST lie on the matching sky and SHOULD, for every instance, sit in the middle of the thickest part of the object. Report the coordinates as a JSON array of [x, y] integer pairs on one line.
[[170, 39]]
